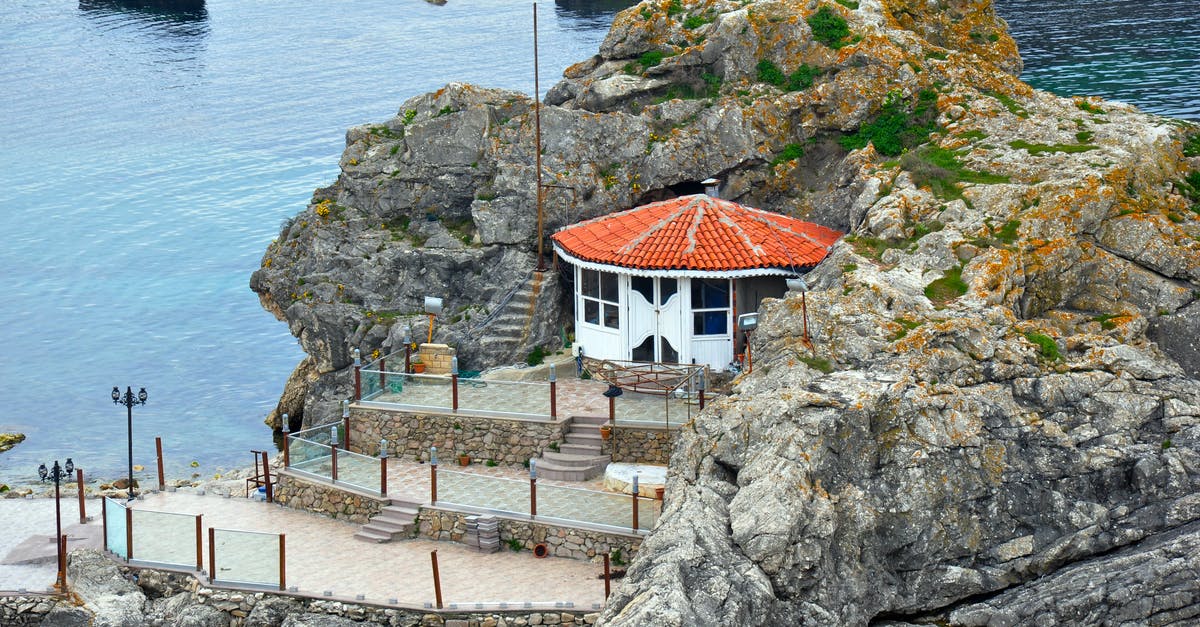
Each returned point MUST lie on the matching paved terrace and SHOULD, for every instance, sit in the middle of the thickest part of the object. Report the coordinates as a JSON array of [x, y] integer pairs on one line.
[[323, 556]]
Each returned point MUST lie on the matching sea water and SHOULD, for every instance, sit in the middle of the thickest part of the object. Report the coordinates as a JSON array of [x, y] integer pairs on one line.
[[149, 157]]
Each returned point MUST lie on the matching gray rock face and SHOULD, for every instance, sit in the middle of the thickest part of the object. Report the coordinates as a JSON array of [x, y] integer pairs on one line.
[[113, 600], [981, 406]]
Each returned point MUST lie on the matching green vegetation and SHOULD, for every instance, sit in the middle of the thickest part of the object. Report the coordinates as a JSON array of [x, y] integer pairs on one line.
[[816, 363], [906, 325], [1012, 105], [940, 169], [385, 132], [675, 8], [443, 111], [1190, 188], [925, 228], [1047, 347], [874, 247], [768, 72], [1084, 137], [849, 4], [1090, 108], [973, 134], [515, 545], [615, 557], [790, 152], [1038, 149], [491, 463], [712, 84], [536, 356], [896, 128], [947, 288], [409, 115], [696, 21], [1008, 232], [829, 28], [651, 58], [934, 54], [647, 14], [848, 268], [1191, 146], [1166, 444], [1105, 321]]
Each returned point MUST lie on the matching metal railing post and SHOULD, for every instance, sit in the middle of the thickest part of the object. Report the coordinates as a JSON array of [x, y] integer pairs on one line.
[[607, 583], [454, 383], [282, 562], [128, 533], [199, 543], [383, 457], [433, 474], [104, 521], [437, 580], [532, 488], [212, 554], [287, 438], [383, 373], [346, 424], [333, 457], [635, 503], [357, 376], [267, 477], [553, 394]]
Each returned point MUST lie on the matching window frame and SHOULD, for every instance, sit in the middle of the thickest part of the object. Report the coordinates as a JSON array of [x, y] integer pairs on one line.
[[606, 310]]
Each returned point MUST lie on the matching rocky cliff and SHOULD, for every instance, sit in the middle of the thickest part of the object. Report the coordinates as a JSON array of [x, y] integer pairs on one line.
[[999, 402]]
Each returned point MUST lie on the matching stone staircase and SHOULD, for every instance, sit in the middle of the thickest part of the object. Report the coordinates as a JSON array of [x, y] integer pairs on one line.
[[507, 333], [581, 457], [396, 519]]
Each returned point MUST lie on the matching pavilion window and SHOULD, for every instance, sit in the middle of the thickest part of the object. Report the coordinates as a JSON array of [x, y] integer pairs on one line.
[[710, 307], [599, 294]]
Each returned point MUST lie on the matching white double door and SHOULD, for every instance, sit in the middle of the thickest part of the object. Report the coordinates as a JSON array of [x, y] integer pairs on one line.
[[656, 319]]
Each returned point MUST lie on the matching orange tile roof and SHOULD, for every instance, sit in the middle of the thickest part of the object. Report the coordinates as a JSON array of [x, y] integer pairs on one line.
[[697, 232]]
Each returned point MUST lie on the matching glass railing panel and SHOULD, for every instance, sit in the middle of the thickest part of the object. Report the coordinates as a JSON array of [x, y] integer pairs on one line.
[[371, 382], [246, 557], [309, 456], [512, 397], [594, 507], [359, 471], [419, 390], [653, 409], [114, 527], [483, 492], [165, 538]]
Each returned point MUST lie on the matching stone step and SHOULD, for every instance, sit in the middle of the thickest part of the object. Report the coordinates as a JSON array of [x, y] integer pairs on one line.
[[593, 421], [590, 437], [570, 460], [385, 526], [372, 536], [551, 470], [580, 449]]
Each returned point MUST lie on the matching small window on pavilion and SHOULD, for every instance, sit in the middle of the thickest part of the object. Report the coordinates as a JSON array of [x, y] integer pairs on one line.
[[599, 295], [710, 307]]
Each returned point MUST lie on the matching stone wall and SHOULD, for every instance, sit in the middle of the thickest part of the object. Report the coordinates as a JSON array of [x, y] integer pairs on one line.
[[336, 502], [642, 445], [25, 609], [509, 441], [439, 524], [438, 358]]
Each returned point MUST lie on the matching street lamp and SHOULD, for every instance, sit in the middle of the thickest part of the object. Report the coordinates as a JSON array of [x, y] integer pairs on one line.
[[129, 400], [57, 474]]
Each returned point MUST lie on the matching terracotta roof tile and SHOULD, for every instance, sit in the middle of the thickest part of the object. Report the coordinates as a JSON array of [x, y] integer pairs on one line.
[[697, 232]]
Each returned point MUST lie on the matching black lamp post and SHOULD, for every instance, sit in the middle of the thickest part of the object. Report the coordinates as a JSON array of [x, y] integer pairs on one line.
[[129, 400], [57, 474]]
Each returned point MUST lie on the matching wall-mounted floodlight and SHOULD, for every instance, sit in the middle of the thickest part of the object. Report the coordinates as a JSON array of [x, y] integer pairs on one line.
[[748, 321], [433, 307]]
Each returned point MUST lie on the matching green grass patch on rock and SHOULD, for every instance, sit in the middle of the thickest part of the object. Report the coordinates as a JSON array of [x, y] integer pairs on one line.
[[1039, 149], [790, 152], [802, 78], [906, 325], [896, 127], [1047, 347], [1191, 146], [1009, 103], [817, 363], [947, 288], [940, 169], [829, 28]]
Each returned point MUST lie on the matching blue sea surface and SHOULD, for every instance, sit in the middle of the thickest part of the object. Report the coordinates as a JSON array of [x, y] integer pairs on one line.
[[149, 157], [1145, 53]]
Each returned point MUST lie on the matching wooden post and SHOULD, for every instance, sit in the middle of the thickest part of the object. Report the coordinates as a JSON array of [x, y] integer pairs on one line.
[[454, 392], [199, 543], [212, 555], [407, 355], [333, 448], [128, 533], [82, 500], [437, 580], [287, 438], [282, 563], [612, 410], [267, 478], [383, 476], [532, 497], [701, 399], [383, 373], [607, 574], [162, 482], [554, 400], [346, 428], [62, 564]]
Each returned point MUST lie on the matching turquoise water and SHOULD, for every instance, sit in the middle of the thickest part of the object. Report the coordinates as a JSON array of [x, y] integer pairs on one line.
[[1145, 53], [149, 158]]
